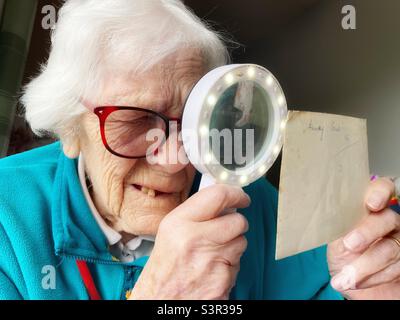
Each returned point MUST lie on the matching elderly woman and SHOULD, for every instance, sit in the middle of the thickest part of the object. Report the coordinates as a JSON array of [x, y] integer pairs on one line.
[[90, 218]]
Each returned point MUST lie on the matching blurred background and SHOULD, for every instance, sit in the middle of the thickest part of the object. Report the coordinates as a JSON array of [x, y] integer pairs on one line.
[[321, 66]]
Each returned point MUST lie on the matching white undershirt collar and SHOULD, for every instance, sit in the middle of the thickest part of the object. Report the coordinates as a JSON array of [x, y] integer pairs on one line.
[[113, 236]]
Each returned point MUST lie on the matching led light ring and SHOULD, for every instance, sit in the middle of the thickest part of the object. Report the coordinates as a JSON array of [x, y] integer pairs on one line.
[[192, 115], [213, 84], [279, 110]]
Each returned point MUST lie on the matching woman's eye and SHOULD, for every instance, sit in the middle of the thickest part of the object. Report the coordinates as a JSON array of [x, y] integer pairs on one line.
[[142, 120], [134, 120]]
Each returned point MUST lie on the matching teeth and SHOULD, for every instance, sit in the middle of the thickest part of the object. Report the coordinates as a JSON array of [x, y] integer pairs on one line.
[[145, 190], [149, 192]]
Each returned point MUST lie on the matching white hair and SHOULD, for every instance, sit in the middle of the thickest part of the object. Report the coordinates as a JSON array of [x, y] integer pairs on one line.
[[96, 38]]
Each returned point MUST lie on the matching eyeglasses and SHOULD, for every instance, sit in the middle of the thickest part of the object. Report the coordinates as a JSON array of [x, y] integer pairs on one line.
[[124, 130]]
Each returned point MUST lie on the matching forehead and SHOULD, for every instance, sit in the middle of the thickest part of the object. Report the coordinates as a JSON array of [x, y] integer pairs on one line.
[[166, 84]]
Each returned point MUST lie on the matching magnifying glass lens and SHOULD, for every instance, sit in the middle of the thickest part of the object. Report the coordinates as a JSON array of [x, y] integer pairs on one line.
[[239, 124]]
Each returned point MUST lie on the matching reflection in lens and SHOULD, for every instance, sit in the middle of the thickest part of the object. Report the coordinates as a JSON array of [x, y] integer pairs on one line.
[[239, 124], [126, 132]]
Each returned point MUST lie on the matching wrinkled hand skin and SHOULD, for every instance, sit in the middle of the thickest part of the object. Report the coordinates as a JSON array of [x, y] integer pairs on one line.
[[365, 264], [197, 250]]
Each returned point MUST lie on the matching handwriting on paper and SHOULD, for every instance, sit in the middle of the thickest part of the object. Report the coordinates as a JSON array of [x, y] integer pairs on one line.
[[324, 174]]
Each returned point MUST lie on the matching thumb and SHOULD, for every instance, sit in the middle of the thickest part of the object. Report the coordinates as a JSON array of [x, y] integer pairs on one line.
[[209, 202]]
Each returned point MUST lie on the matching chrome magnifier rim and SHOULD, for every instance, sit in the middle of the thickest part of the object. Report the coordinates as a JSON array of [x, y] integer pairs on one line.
[[197, 117]]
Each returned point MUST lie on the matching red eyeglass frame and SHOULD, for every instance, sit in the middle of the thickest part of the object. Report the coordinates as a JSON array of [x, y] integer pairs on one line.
[[103, 112]]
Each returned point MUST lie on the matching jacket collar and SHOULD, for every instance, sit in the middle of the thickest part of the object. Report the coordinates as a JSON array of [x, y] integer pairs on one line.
[[76, 232]]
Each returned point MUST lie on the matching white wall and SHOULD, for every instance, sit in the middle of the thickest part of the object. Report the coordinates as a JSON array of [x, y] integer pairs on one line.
[[324, 68]]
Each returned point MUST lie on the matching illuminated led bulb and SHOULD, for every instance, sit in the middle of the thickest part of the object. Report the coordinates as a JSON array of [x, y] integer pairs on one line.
[[208, 158], [251, 72], [281, 100], [212, 100], [262, 169], [229, 78], [269, 80], [203, 131], [243, 179], [223, 175]]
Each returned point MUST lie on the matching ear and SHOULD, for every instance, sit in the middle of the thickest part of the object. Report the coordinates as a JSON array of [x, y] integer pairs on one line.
[[71, 147]]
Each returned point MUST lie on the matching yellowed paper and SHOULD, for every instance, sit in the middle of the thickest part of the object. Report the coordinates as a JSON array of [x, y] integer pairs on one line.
[[324, 175]]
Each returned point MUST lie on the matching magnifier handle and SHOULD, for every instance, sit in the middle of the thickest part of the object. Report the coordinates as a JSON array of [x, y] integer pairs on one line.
[[207, 181]]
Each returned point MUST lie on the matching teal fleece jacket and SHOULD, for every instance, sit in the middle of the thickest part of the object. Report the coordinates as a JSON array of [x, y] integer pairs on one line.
[[46, 224]]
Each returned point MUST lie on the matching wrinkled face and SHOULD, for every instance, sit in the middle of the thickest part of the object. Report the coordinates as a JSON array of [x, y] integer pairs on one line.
[[132, 194]]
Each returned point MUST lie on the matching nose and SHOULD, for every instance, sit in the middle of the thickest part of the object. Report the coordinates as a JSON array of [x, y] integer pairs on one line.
[[171, 157]]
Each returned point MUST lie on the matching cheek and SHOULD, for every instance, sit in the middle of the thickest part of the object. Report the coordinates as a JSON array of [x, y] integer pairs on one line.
[[110, 182], [106, 171]]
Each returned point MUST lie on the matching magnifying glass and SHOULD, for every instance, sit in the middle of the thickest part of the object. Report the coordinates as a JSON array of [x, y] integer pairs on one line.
[[233, 124]]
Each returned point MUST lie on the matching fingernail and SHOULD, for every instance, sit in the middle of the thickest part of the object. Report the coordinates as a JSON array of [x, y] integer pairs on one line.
[[353, 241], [248, 197], [336, 282], [375, 201], [342, 281]]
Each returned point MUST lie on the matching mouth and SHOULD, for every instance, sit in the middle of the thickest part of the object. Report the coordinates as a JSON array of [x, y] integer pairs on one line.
[[151, 192]]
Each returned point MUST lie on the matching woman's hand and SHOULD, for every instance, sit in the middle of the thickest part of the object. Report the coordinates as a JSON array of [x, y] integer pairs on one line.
[[365, 264], [197, 251]]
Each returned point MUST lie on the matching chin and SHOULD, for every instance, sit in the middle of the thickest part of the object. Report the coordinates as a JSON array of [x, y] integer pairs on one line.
[[144, 223], [142, 212], [144, 219]]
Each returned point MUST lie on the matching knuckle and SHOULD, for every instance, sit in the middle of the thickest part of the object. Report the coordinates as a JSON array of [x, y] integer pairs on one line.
[[218, 294], [235, 225], [237, 251], [386, 275], [219, 193], [164, 226], [185, 243], [243, 243], [396, 219], [384, 185], [225, 194], [389, 250], [241, 222], [221, 287], [392, 219], [177, 233], [167, 224]]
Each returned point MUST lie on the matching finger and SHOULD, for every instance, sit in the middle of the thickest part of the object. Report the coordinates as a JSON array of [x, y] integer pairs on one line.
[[378, 194], [378, 257], [235, 271], [233, 251], [225, 228], [383, 292], [387, 275], [374, 227], [209, 202]]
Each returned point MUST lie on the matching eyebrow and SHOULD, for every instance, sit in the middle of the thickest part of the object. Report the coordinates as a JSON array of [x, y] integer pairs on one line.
[[162, 103]]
